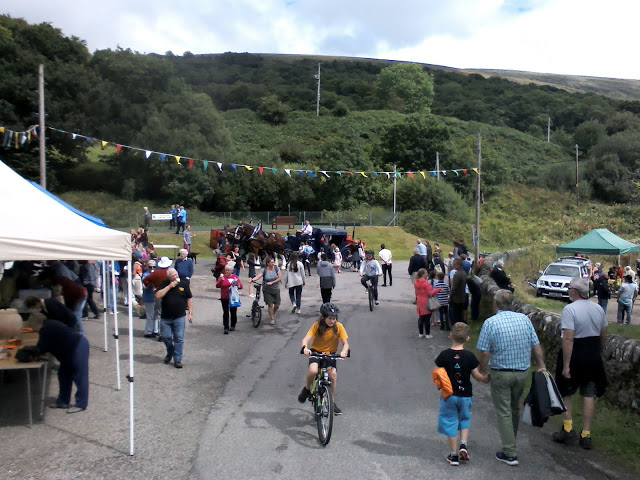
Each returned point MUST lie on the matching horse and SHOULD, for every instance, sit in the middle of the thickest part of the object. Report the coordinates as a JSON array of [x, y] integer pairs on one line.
[[256, 240]]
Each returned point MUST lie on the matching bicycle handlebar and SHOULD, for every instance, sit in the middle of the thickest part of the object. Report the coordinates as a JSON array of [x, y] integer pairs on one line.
[[326, 355]]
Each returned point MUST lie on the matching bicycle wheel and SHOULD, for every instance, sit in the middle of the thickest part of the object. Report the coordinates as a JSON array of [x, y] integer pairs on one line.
[[256, 314], [370, 292], [324, 413]]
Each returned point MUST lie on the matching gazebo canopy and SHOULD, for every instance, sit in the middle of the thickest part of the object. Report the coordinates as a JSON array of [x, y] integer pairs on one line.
[[599, 241]]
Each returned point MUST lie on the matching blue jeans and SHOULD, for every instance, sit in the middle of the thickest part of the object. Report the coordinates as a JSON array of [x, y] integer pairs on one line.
[[622, 308], [374, 284], [295, 295], [77, 308], [151, 325], [603, 302], [173, 336], [75, 371]]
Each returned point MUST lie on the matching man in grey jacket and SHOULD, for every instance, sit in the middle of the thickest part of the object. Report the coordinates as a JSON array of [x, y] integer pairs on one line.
[[327, 278]]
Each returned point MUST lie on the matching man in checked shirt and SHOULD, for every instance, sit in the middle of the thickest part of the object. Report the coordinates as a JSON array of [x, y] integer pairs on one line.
[[505, 343]]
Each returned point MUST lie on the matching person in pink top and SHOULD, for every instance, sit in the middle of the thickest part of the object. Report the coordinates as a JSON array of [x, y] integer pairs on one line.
[[224, 283], [424, 290]]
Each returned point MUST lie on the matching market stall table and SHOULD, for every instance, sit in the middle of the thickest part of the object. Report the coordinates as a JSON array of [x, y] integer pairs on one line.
[[11, 363], [175, 249]]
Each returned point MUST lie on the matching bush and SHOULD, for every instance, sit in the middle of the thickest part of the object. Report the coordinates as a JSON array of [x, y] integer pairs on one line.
[[340, 110]]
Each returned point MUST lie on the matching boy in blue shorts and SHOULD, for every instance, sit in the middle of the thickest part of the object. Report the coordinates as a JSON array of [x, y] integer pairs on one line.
[[454, 413]]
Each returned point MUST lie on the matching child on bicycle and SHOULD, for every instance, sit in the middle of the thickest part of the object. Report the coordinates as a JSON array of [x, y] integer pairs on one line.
[[454, 413], [326, 333], [370, 270]]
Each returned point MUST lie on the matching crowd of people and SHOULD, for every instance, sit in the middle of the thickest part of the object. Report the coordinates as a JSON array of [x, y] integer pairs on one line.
[[445, 289]]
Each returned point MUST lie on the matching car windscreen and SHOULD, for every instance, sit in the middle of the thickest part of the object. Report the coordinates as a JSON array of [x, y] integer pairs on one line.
[[563, 271]]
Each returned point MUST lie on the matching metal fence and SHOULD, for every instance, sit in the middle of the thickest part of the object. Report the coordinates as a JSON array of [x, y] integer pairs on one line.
[[335, 219]]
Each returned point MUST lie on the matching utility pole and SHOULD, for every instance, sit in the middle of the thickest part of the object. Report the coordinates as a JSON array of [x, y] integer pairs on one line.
[[577, 197], [476, 240], [395, 214], [437, 166], [43, 158], [317, 77], [548, 129]]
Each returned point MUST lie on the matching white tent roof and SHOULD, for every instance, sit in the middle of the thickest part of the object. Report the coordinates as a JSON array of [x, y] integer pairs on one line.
[[36, 227]]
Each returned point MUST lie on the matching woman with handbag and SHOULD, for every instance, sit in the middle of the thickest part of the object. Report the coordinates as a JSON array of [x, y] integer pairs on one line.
[[425, 293], [229, 284]]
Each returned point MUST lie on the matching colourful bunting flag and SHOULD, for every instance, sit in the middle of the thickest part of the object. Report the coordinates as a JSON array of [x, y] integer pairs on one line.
[[190, 162], [205, 164], [260, 169], [119, 147], [163, 156], [177, 157], [219, 166], [104, 144], [410, 175], [147, 153]]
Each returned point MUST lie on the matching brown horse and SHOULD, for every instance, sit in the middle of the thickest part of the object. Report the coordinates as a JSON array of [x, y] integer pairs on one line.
[[255, 240]]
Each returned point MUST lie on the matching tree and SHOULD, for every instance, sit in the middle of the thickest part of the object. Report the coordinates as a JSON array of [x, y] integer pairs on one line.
[[412, 144], [588, 134], [272, 110], [406, 86]]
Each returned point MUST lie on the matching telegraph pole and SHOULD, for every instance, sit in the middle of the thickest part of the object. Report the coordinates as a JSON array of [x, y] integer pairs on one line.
[[437, 166], [577, 197], [395, 213], [548, 129], [43, 158], [476, 240], [317, 77]]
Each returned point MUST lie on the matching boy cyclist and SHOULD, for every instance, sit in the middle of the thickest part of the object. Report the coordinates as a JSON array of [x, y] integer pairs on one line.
[[326, 333], [370, 270]]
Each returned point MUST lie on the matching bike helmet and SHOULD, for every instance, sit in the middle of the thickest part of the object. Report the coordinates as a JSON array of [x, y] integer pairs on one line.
[[329, 309], [369, 252]]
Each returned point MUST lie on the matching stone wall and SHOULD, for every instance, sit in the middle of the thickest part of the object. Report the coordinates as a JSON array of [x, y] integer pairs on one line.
[[621, 355]]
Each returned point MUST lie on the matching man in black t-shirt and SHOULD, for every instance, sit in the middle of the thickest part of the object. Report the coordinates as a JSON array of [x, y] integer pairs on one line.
[[454, 413], [176, 301]]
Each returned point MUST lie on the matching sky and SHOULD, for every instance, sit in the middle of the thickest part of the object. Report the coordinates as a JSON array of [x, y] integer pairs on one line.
[[569, 37]]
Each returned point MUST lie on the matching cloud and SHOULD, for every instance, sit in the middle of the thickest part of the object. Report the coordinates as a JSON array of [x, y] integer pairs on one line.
[[556, 36]]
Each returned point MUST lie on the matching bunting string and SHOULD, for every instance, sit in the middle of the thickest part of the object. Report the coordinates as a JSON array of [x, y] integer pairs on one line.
[[17, 139]]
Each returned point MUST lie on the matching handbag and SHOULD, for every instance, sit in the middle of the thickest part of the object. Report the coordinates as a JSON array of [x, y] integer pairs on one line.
[[234, 297], [433, 303]]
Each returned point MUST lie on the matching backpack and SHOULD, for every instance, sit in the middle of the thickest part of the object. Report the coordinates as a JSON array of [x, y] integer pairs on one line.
[[437, 268]]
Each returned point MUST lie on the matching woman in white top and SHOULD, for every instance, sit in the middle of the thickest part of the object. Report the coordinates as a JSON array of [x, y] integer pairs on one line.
[[295, 281]]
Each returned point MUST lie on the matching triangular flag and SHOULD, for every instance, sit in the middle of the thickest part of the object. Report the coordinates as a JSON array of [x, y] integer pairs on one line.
[[350, 173], [399, 174], [410, 175], [248, 167], [456, 172], [260, 170], [219, 164], [275, 172], [73, 136], [88, 139], [104, 144], [324, 172], [118, 148], [476, 170], [464, 170], [375, 174], [422, 173], [388, 174], [147, 153], [163, 156], [287, 171], [311, 173], [1, 129], [177, 157], [444, 173], [300, 172], [363, 174], [190, 162], [339, 173], [234, 166], [205, 164], [434, 173]]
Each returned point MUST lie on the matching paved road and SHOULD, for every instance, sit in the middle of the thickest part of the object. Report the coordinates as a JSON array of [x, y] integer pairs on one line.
[[257, 428]]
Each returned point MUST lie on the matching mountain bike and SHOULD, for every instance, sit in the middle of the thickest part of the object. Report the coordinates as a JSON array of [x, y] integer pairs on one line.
[[256, 309], [321, 396]]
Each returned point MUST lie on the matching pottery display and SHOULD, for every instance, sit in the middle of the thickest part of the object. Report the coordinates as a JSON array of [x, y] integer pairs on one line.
[[10, 323]]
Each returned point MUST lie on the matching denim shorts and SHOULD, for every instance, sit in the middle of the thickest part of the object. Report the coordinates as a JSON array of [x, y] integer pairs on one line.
[[454, 414]]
